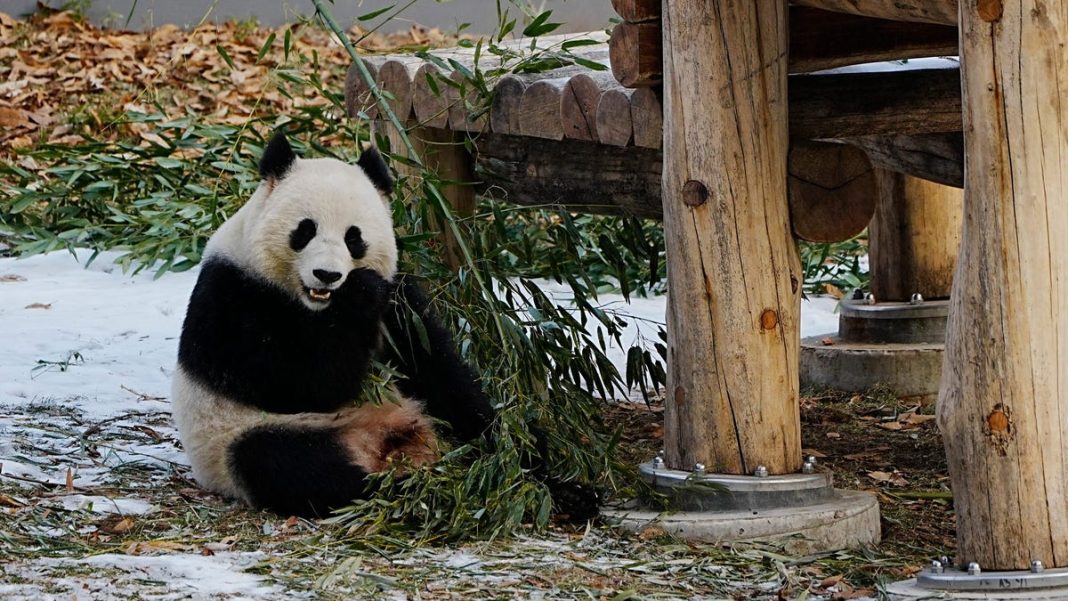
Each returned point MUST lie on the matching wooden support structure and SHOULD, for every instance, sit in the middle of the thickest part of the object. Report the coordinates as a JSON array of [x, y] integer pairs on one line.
[[819, 39], [1003, 408], [734, 277], [914, 11], [832, 190], [914, 238]]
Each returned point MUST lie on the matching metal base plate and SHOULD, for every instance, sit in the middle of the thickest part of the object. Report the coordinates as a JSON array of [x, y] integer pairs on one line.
[[727, 492], [958, 580]]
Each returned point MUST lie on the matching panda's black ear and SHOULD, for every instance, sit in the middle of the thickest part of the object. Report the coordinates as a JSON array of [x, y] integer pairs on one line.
[[277, 158], [372, 164]]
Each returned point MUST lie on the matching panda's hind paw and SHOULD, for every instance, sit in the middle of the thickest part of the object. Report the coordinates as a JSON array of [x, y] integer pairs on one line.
[[573, 502]]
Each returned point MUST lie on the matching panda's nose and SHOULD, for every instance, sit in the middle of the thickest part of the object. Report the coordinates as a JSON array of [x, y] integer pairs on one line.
[[326, 277]]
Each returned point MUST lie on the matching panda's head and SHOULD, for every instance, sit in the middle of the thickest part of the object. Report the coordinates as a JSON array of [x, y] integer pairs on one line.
[[313, 221]]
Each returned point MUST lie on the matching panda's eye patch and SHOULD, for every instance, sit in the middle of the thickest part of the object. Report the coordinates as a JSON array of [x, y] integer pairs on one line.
[[300, 237], [354, 240]]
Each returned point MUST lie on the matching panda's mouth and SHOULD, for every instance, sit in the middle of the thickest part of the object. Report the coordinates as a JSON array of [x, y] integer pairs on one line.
[[319, 295]]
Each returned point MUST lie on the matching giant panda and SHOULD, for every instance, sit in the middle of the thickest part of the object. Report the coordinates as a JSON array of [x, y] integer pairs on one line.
[[296, 294]]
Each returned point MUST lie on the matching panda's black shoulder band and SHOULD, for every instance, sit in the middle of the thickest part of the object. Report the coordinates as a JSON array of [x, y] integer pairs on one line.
[[372, 164], [277, 158]]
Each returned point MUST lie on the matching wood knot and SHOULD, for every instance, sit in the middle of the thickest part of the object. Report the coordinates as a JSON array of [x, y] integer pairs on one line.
[[680, 396], [998, 421], [694, 193], [990, 10], [769, 319]]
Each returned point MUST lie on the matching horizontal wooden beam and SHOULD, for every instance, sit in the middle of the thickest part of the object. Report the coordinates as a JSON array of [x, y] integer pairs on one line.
[[587, 177], [819, 39], [847, 105], [935, 157], [919, 11]]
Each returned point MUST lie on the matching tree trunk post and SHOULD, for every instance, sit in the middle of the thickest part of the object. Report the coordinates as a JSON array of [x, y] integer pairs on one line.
[[1003, 408], [443, 152], [734, 275], [914, 237]]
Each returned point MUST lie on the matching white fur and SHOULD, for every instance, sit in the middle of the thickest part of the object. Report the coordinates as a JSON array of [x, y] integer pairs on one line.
[[208, 423], [333, 194]]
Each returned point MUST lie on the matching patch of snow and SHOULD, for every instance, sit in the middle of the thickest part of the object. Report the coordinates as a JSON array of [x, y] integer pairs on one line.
[[102, 504], [912, 64], [156, 577]]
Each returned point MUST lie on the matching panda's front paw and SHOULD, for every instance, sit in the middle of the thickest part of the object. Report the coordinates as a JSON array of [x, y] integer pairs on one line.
[[367, 288], [573, 502]]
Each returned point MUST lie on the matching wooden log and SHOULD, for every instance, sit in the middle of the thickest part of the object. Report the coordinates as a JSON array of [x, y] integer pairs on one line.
[[578, 104], [467, 108], [917, 11], [821, 39], [430, 97], [1003, 408], [613, 115], [442, 152], [591, 177], [585, 177], [395, 76], [914, 237], [733, 311], [844, 105], [637, 11], [358, 98], [832, 190], [636, 53], [647, 117], [935, 157], [539, 109]]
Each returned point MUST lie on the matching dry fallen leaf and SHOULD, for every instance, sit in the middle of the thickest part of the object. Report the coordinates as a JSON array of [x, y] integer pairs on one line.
[[10, 277], [814, 453], [39, 306], [891, 426], [834, 435], [828, 341]]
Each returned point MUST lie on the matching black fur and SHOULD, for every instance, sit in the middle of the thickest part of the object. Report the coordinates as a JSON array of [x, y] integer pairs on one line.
[[372, 164], [258, 345], [296, 472], [354, 240], [433, 373], [277, 158], [436, 374], [302, 235]]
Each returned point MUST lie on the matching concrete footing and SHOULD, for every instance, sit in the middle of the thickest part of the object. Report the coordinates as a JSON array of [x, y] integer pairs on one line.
[[908, 369], [847, 519], [895, 344]]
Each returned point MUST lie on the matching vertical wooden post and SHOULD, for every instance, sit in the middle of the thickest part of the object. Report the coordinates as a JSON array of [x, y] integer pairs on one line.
[[734, 276], [443, 152], [1003, 409], [914, 237]]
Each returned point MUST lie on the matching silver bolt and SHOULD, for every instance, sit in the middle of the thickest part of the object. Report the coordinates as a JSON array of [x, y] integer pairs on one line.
[[807, 467], [811, 459], [869, 298], [973, 568], [936, 567], [1036, 566], [761, 472], [660, 453], [945, 560], [698, 469], [658, 463], [916, 299]]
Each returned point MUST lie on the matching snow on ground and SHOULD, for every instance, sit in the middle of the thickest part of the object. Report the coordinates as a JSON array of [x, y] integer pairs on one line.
[[86, 356]]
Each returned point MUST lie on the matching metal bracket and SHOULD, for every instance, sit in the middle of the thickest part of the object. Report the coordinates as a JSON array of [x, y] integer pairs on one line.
[[975, 580]]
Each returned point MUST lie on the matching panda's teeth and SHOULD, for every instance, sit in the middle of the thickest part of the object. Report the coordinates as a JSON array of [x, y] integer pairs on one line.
[[319, 294]]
